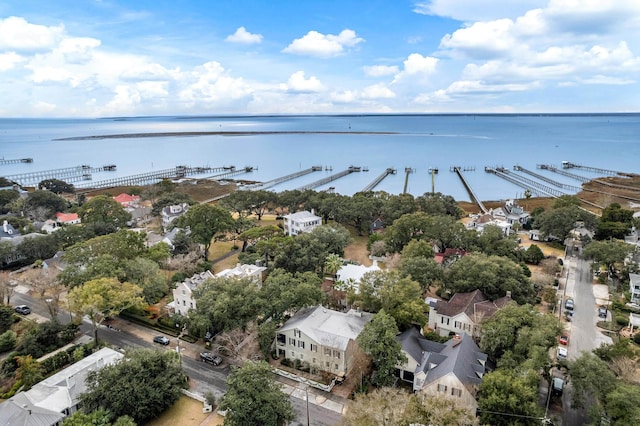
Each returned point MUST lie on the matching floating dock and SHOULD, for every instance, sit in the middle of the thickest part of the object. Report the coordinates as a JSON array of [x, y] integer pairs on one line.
[[274, 182], [16, 160], [147, 178], [472, 194], [376, 181], [570, 165], [313, 185], [68, 174]]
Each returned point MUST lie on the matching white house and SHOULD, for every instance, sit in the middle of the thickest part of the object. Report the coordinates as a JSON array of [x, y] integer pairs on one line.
[[352, 274], [183, 293], [253, 272], [324, 338], [634, 288], [464, 313], [171, 213], [453, 369], [47, 403], [298, 222]]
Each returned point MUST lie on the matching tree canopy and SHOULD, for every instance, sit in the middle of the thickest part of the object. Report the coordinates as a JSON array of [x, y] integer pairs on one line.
[[104, 215], [205, 221]]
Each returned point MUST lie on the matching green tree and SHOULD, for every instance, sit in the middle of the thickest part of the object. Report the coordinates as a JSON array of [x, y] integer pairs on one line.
[[534, 254], [418, 248], [252, 235], [507, 391], [6, 312], [29, 371], [7, 197], [147, 275], [285, 292], [438, 204], [623, 404], [42, 205], [406, 228], [104, 214], [493, 241], [559, 222], [102, 298], [590, 377], [402, 299], [205, 221], [170, 199], [608, 253], [332, 264], [99, 417], [157, 377], [378, 340], [254, 398], [57, 186]]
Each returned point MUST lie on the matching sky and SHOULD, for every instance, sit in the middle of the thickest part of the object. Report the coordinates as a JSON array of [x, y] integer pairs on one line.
[[101, 58]]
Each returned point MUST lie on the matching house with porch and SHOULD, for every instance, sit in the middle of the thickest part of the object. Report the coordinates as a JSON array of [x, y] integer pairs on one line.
[[50, 401], [453, 369], [464, 313], [183, 299], [634, 288], [253, 272], [323, 338], [171, 213], [298, 222]]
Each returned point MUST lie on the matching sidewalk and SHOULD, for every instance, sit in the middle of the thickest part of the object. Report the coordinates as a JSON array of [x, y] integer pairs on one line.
[[318, 397]]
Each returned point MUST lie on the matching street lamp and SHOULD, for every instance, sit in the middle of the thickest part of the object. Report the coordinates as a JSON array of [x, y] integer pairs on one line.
[[50, 307]]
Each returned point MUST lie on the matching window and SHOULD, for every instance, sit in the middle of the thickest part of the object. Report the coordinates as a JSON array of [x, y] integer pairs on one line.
[[293, 354], [456, 324], [442, 388], [292, 341], [184, 292], [456, 392], [336, 366], [191, 303], [301, 344], [327, 351], [336, 354], [184, 303], [313, 360], [297, 333], [314, 348], [327, 364]]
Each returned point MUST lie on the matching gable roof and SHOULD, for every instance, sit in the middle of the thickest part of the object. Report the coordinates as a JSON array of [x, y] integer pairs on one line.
[[302, 216], [241, 271], [474, 304], [67, 217], [194, 282], [415, 344], [126, 198], [327, 327]]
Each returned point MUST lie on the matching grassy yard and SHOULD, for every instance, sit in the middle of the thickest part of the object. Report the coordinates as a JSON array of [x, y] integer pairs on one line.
[[186, 412]]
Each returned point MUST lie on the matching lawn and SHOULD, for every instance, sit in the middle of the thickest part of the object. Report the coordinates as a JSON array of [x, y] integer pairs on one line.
[[186, 412]]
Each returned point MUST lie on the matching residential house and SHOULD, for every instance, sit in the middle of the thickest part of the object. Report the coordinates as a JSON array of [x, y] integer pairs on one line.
[[448, 256], [49, 402], [453, 369], [253, 272], [127, 200], [511, 213], [634, 288], [55, 262], [67, 218], [8, 232], [377, 226], [324, 338], [464, 313], [298, 222], [183, 293], [350, 275], [171, 213]]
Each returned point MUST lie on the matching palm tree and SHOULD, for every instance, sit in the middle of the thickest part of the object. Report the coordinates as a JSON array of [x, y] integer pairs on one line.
[[332, 264]]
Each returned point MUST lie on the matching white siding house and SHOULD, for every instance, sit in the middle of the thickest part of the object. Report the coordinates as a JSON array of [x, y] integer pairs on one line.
[[183, 293], [304, 221], [634, 288], [253, 272]]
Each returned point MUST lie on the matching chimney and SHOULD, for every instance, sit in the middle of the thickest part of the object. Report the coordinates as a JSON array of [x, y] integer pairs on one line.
[[71, 381], [508, 294]]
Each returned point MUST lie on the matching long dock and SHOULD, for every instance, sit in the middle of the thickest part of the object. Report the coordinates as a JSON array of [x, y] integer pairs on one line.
[[546, 179], [554, 169], [146, 178], [75, 173], [407, 172], [230, 172], [472, 194], [276, 181], [331, 178], [16, 160], [376, 181], [570, 165]]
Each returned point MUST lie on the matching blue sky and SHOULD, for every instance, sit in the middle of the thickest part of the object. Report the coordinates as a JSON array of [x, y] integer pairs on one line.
[[69, 58]]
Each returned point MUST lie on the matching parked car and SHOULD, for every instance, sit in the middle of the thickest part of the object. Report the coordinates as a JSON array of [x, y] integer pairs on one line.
[[561, 353], [563, 339], [161, 339], [211, 358], [569, 304], [557, 386], [602, 312], [23, 309]]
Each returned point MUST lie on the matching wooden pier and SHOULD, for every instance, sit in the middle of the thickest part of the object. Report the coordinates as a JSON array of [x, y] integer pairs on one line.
[[546, 179], [230, 172], [554, 169], [472, 194], [146, 178], [68, 174], [16, 160], [407, 172], [570, 165], [274, 182], [376, 181], [331, 178]]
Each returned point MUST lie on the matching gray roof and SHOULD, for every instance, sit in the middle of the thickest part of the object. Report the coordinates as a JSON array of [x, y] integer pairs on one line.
[[327, 327], [415, 344]]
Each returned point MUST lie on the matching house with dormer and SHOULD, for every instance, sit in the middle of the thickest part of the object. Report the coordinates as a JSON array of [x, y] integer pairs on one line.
[[304, 221], [183, 299], [464, 313], [171, 213], [324, 338], [453, 369]]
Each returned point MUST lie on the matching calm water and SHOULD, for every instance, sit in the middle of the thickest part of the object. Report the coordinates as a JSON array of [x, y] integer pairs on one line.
[[420, 142]]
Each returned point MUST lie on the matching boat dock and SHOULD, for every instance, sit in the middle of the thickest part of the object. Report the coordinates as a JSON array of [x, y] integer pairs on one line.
[[570, 165], [472, 194], [524, 182], [16, 160], [546, 179], [229, 172], [376, 181], [68, 174], [331, 178], [407, 172], [554, 169], [147, 178], [274, 182]]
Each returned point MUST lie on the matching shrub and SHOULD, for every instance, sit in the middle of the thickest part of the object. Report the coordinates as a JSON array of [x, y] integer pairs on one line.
[[7, 340], [622, 320], [636, 338]]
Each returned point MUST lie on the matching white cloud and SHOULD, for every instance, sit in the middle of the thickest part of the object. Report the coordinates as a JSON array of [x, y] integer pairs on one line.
[[297, 83], [17, 34], [377, 91], [323, 46], [146, 72], [482, 39], [418, 64], [210, 84], [344, 97], [9, 60], [245, 37], [78, 50], [380, 70], [476, 10], [607, 80]]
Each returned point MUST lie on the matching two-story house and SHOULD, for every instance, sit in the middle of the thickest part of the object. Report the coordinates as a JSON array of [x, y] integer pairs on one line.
[[127, 200], [253, 272], [298, 222], [324, 338], [183, 299], [634, 288], [171, 213], [453, 369], [464, 313]]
